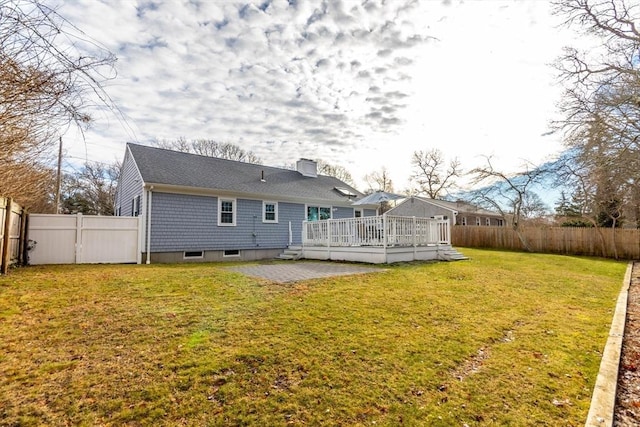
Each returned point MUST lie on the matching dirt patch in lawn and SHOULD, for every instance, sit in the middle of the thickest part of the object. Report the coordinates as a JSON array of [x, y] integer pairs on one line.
[[627, 412]]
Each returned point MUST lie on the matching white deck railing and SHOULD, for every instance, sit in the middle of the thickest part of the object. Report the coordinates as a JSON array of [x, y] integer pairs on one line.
[[383, 231]]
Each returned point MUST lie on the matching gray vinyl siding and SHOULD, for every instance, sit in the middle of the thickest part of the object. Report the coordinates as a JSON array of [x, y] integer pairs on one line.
[[471, 219], [294, 213], [129, 186], [190, 223], [342, 213], [369, 212], [419, 209]]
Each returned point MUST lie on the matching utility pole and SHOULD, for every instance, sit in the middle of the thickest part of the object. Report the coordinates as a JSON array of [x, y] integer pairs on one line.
[[59, 178]]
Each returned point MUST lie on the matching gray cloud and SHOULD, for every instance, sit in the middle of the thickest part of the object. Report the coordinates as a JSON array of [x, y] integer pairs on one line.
[[379, 100], [276, 70], [403, 61], [389, 121], [395, 95]]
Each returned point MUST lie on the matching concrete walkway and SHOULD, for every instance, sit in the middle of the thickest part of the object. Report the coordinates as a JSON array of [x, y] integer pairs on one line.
[[285, 272]]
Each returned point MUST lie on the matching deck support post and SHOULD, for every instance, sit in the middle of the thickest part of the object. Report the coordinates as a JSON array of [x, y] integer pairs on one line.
[[414, 233], [328, 239], [384, 231]]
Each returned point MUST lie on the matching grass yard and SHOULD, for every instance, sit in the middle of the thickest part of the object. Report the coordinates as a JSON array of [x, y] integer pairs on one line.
[[503, 339]]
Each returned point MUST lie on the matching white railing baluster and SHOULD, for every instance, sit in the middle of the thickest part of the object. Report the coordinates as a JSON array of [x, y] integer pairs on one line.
[[376, 231]]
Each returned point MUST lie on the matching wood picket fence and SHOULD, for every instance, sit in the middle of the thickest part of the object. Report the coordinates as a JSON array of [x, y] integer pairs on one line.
[[13, 231], [601, 242]]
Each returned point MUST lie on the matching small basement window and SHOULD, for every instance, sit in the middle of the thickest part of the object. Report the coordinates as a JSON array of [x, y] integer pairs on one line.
[[193, 254], [231, 252]]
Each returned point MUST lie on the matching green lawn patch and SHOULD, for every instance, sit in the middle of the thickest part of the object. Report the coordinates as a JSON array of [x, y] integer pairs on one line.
[[502, 339]]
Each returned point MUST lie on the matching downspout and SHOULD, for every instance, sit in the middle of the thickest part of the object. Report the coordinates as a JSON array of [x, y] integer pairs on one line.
[[149, 227]]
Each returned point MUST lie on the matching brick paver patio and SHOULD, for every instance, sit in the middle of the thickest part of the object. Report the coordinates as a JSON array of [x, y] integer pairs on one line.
[[284, 272]]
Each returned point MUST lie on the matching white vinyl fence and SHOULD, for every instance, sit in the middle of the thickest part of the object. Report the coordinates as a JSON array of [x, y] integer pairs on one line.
[[84, 239]]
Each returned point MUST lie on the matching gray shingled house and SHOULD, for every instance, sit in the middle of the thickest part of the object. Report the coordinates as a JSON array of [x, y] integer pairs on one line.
[[210, 209], [458, 212]]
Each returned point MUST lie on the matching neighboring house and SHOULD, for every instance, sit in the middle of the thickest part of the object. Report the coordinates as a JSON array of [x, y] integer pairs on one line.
[[459, 212], [210, 209]]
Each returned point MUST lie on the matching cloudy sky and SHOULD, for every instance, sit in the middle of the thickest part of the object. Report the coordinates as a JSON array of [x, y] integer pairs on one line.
[[360, 83]]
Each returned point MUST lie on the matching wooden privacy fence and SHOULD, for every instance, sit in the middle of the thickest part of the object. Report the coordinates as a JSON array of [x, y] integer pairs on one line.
[[603, 242], [13, 221]]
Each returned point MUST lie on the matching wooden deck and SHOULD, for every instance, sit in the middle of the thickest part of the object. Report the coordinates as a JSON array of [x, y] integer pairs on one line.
[[376, 239]]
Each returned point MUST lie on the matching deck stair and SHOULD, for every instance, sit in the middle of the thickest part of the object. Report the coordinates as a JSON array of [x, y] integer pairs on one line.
[[451, 255], [293, 253]]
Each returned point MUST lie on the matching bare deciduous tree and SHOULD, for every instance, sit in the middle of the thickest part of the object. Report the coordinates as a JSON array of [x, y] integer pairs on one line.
[[601, 107], [431, 173], [510, 195], [91, 190], [379, 181], [45, 82], [210, 148], [31, 185], [615, 24], [336, 171], [46, 85]]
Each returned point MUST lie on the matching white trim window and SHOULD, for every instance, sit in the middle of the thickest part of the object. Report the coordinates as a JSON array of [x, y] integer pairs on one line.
[[464, 220], [477, 220], [226, 212], [315, 213], [357, 213], [488, 222], [270, 212]]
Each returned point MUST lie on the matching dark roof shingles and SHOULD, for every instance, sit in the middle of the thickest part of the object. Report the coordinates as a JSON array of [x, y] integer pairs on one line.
[[160, 166]]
